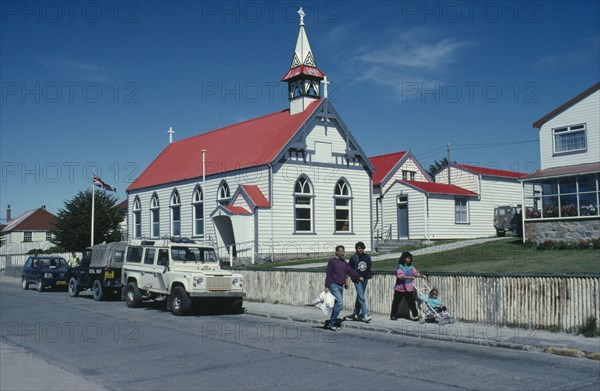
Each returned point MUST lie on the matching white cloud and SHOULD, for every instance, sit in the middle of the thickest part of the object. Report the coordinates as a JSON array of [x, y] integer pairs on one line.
[[417, 56]]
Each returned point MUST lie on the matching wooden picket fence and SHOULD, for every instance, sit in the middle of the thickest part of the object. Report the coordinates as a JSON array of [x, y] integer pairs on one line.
[[539, 302]]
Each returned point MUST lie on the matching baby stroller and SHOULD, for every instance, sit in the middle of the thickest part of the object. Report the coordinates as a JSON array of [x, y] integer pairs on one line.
[[429, 313]]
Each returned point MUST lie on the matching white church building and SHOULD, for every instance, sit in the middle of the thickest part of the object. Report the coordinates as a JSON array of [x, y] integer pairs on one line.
[[283, 185]]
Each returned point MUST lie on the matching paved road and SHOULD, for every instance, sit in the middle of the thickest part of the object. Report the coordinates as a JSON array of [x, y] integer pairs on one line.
[[421, 251], [79, 343]]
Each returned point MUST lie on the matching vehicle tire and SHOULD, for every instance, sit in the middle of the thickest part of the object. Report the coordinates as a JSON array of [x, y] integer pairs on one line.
[[97, 292], [133, 297], [24, 283], [40, 285], [181, 303], [73, 287], [500, 233], [237, 306]]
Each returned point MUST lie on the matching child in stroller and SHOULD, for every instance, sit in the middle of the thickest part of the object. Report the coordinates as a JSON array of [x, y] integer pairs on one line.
[[433, 308]]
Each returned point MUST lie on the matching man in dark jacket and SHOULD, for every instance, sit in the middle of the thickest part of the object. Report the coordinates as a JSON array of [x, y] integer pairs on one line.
[[337, 270], [361, 263]]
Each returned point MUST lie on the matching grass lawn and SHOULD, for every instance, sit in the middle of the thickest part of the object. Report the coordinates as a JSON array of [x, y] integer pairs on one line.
[[502, 256]]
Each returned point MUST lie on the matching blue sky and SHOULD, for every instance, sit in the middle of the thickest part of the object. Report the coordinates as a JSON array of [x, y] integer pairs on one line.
[[94, 86]]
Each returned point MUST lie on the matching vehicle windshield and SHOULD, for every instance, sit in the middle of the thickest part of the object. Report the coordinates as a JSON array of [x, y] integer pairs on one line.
[[193, 254], [503, 211], [54, 263]]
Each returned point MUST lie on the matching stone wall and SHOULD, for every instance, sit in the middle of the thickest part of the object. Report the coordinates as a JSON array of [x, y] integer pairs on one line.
[[569, 230]]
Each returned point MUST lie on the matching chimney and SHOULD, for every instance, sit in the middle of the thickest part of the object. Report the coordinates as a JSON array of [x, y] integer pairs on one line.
[[44, 207], [8, 214]]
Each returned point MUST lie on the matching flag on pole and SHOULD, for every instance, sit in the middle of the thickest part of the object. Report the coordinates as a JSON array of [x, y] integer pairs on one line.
[[98, 182]]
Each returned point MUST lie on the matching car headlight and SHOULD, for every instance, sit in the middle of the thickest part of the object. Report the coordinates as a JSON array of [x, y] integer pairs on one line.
[[47, 275], [237, 282], [199, 280]]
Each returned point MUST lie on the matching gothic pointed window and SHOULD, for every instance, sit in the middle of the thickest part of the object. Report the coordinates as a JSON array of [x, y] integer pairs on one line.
[[175, 214], [137, 218], [198, 209], [296, 89], [313, 89], [223, 195], [155, 216], [303, 205], [343, 204]]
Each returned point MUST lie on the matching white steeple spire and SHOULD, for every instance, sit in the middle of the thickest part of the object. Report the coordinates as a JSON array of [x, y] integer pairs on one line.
[[303, 53]]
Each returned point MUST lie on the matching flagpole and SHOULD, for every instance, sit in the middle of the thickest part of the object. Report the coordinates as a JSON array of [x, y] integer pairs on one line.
[[92, 238], [203, 196]]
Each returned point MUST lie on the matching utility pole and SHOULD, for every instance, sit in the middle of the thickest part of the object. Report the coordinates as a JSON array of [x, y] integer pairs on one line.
[[448, 158]]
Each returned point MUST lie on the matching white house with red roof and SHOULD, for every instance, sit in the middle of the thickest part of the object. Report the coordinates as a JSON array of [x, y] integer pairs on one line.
[[563, 198], [408, 204], [286, 184], [30, 230], [493, 187]]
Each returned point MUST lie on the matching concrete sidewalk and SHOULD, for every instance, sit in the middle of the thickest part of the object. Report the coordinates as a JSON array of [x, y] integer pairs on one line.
[[471, 333], [426, 250]]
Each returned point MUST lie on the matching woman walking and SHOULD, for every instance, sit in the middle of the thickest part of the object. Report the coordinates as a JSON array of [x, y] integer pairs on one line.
[[404, 289]]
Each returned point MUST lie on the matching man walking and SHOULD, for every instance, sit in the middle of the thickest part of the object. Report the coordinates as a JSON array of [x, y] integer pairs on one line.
[[361, 263], [337, 270]]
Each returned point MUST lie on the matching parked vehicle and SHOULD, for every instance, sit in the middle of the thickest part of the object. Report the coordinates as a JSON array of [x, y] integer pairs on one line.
[[178, 271], [99, 270], [45, 272], [505, 219]]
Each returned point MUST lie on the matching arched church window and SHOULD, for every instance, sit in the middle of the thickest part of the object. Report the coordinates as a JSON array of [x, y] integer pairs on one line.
[[137, 217], [175, 214], [223, 195], [303, 205], [155, 215], [198, 210], [343, 202]]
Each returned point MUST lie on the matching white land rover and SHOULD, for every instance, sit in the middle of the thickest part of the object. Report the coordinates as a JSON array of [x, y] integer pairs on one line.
[[179, 271]]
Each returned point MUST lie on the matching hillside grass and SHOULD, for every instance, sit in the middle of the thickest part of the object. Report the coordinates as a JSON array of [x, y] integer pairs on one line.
[[503, 256]]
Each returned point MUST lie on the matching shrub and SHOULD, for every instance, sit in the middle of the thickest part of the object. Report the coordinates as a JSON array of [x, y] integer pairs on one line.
[[596, 243], [530, 244], [589, 328], [560, 245], [548, 245], [55, 250]]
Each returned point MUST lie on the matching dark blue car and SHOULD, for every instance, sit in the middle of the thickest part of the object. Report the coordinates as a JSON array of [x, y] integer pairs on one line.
[[45, 272]]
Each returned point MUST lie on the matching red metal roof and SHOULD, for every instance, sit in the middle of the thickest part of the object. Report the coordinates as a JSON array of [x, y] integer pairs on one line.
[[538, 124], [440, 188], [256, 196], [236, 210], [303, 70], [246, 144], [383, 164], [492, 171], [34, 220]]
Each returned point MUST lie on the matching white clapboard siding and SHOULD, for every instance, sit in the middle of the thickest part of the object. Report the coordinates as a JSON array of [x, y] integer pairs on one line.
[[584, 112]]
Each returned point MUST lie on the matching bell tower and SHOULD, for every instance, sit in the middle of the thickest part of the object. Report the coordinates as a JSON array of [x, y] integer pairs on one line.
[[303, 77]]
